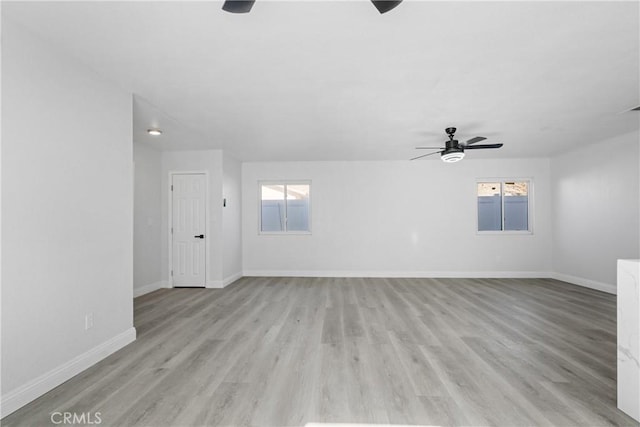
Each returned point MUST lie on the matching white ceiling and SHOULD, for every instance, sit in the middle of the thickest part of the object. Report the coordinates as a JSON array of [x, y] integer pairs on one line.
[[307, 80]]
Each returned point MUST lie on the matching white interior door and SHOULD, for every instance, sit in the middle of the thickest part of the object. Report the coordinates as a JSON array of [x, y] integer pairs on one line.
[[188, 229]]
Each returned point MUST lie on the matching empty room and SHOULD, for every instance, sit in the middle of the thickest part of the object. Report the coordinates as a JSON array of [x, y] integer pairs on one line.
[[320, 213]]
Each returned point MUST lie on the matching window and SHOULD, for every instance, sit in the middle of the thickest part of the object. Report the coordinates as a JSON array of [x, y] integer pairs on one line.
[[503, 206], [284, 207]]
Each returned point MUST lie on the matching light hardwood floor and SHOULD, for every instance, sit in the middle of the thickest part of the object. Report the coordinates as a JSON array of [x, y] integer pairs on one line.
[[287, 351]]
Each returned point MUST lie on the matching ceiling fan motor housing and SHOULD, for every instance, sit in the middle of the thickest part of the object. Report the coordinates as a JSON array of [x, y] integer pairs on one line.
[[451, 144], [452, 154]]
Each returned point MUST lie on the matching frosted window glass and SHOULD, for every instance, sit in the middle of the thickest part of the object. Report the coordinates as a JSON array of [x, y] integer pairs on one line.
[[298, 207], [489, 206], [272, 208], [516, 206]]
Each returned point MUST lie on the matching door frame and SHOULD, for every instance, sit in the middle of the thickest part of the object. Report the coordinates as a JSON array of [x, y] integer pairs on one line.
[[206, 224]]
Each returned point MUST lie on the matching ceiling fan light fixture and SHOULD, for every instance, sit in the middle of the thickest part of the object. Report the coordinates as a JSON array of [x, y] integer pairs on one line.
[[452, 155]]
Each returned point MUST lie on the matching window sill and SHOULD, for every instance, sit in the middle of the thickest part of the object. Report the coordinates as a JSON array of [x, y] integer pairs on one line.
[[284, 233], [505, 233]]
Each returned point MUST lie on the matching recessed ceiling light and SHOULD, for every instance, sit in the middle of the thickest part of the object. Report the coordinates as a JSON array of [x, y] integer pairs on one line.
[[154, 132]]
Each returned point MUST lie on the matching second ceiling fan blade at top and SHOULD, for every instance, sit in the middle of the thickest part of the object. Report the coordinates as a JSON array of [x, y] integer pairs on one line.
[[244, 6], [238, 6], [384, 6]]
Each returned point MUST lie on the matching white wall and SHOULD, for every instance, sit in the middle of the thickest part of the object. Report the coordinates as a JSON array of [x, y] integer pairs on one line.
[[397, 218], [232, 220], [147, 242], [596, 211], [67, 217], [209, 161]]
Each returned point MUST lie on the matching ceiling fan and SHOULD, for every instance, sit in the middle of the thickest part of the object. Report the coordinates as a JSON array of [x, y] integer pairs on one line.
[[244, 6], [453, 151]]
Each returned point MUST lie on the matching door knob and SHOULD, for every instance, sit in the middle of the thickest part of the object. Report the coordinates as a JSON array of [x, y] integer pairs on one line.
[[201, 236]]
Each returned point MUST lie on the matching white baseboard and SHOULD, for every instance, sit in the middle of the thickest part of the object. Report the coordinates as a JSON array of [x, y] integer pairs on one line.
[[592, 284], [587, 283], [214, 284], [17, 398], [399, 274], [148, 288], [230, 279], [219, 284]]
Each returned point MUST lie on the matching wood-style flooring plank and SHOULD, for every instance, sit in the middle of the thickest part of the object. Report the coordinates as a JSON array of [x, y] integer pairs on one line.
[[290, 351]]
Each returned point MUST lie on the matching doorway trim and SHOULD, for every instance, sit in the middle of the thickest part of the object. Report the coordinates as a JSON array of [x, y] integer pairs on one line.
[[207, 230]]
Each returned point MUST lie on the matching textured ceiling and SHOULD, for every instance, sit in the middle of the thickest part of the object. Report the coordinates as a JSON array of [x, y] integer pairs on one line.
[[305, 80]]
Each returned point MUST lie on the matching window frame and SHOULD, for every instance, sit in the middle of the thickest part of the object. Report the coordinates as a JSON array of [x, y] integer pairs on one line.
[[502, 181], [285, 183]]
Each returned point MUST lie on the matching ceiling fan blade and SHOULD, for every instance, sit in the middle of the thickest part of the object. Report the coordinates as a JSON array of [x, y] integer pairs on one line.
[[384, 6], [476, 139], [429, 148], [425, 155], [238, 6], [475, 147]]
